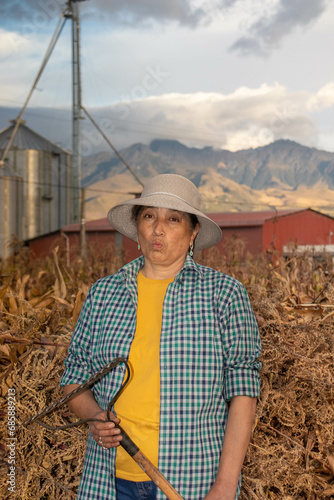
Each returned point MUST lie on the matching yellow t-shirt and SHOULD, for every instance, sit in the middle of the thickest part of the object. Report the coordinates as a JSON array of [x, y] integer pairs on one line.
[[138, 407]]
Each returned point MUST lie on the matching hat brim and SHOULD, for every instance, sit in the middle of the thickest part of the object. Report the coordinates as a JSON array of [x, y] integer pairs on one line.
[[120, 218]]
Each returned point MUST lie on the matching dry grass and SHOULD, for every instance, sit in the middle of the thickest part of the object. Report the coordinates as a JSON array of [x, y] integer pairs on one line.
[[291, 455]]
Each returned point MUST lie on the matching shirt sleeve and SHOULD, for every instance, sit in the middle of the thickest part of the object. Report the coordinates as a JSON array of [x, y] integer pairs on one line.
[[242, 346], [77, 363]]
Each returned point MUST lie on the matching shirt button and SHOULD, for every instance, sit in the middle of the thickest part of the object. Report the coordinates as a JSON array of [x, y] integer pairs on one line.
[[129, 335]]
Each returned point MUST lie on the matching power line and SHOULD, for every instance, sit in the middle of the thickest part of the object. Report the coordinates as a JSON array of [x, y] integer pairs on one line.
[[113, 147], [66, 186]]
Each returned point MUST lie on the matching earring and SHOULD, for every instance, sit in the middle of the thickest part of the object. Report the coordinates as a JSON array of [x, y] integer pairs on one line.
[[191, 252], [138, 246]]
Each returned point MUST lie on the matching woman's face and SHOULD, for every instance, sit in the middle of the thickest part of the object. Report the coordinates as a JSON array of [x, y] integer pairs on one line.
[[164, 236]]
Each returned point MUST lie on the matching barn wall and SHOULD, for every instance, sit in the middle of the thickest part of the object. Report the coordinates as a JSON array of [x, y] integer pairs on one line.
[[43, 245], [252, 236], [303, 228], [131, 251], [97, 241]]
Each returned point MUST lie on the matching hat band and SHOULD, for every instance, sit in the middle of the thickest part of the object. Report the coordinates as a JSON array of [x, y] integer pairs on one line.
[[170, 194]]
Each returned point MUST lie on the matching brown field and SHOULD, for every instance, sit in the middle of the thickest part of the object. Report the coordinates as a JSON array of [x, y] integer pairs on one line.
[[291, 454]]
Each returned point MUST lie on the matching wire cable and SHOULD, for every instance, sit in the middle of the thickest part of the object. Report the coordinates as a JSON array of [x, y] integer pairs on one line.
[[47, 56], [112, 147]]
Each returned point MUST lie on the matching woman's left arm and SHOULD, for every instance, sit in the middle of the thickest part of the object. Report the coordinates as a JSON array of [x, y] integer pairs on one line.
[[238, 431]]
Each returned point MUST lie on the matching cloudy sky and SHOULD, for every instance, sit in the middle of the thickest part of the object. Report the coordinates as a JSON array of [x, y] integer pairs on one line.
[[231, 74]]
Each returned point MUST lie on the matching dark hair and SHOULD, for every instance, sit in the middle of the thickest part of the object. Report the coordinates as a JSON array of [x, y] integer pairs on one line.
[[137, 209], [193, 221]]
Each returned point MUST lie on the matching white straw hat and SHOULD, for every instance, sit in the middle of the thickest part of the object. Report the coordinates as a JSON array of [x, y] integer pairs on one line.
[[167, 191]]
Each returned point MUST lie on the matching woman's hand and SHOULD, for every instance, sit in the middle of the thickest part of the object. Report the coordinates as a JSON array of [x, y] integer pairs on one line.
[[85, 407], [105, 433]]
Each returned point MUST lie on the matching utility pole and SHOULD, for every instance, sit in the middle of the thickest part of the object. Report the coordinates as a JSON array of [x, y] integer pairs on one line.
[[76, 107], [83, 240]]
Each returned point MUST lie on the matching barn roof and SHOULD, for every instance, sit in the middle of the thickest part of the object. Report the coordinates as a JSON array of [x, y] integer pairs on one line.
[[251, 219], [26, 138], [232, 219], [91, 226]]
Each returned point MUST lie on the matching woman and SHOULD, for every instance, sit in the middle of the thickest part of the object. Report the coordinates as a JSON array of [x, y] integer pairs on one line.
[[192, 343]]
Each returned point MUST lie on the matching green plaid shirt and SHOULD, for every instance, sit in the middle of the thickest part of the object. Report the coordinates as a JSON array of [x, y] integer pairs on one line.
[[209, 349]]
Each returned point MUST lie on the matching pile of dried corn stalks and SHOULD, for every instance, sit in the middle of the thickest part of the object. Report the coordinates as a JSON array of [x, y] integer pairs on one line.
[[291, 454]]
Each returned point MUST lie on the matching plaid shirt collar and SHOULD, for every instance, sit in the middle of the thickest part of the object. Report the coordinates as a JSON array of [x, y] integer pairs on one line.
[[130, 271]]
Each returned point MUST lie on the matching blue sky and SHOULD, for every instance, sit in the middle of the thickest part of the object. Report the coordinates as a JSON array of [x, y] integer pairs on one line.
[[231, 74]]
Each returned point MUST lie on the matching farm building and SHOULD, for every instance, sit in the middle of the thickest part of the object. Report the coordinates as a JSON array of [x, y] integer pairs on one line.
[[36, 187], [277, 230], [260, 231]]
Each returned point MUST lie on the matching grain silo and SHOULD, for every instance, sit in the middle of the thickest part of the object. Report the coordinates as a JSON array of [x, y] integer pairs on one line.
[[11, 195], [47, 195]]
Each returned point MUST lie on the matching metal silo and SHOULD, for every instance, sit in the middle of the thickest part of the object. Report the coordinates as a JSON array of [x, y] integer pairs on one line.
[[46, 170], [11, 194]]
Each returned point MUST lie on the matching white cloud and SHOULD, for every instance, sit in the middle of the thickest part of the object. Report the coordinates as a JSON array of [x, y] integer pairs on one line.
[[114, 65], [248, 117], [21, 59], [245, 118], [10, 42], [322, 99]]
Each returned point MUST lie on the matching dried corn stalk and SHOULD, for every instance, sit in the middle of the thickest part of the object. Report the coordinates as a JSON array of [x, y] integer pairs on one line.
[[291, 455]]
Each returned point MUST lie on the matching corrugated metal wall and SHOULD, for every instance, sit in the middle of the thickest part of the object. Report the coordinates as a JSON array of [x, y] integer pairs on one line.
[[47, 194], [44, 202], [11, 211], [303, 228]]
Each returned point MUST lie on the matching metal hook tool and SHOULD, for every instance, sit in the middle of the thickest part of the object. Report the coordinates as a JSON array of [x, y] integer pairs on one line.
[[130, 447]]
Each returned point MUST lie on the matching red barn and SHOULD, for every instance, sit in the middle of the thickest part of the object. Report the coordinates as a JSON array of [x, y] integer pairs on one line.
[[260, 231], [273, 229], [100, 237]]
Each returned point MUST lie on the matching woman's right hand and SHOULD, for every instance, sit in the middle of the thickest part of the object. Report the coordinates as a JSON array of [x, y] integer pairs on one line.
[[105, 433]]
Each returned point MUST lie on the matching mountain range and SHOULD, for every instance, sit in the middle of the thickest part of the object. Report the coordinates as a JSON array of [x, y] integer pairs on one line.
[[283, 174]]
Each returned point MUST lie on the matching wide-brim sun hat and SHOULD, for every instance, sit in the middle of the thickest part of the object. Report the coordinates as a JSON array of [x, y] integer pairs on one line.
[[167, 191]]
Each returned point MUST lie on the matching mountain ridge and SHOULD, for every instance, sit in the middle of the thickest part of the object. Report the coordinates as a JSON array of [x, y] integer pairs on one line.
[[280, 174]]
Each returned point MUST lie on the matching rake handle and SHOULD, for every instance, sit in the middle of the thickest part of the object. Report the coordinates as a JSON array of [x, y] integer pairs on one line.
[[146, 465]]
